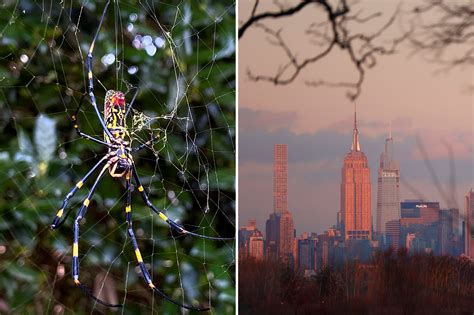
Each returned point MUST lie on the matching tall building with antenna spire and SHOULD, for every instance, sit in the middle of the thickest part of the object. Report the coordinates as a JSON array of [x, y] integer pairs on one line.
[[388, 195], [356, 215]]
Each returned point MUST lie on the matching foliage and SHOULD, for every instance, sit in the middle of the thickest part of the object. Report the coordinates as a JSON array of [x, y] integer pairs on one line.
[[42, 77]]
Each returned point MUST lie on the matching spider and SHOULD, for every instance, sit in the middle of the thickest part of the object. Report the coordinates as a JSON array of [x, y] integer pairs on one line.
[[120, 164]]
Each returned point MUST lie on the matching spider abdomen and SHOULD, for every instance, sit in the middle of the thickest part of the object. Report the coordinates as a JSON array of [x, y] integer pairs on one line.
[[120, 163], [114, 116]]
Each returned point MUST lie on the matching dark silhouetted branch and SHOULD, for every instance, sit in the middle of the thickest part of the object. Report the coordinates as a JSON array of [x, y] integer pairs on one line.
[[445, 32], [254, 18], [335, 30]]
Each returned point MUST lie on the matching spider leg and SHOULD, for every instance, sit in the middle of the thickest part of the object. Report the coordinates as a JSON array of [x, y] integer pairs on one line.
[[90, 87], [56, 221], [175, 226], [75, 246], [131, 102], [78, 130], [146, 275]]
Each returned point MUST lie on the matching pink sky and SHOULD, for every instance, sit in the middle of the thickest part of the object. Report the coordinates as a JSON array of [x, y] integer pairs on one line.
[[412, 94]]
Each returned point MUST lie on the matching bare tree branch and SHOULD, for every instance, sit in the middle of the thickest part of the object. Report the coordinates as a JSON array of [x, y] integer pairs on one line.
[[255, 18], [277, 78], [445, 32], [335, 30], [255, 7]]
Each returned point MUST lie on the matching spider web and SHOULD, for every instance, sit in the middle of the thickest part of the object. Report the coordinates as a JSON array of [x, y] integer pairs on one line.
[[180, 55]]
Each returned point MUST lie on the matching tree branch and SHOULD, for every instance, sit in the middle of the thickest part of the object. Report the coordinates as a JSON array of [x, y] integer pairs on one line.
[[444, 32], [256, 18], [335, 31]]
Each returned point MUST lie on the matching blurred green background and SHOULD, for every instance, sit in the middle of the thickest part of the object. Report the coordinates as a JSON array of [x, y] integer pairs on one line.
[[181, 55]]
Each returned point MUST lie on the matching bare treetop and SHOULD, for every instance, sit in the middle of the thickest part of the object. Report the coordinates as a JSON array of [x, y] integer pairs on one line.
[[335, 29], [444, 32]]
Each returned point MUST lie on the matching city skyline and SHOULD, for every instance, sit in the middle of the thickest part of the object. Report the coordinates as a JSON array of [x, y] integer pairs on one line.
[[387, 163], [418, 225]]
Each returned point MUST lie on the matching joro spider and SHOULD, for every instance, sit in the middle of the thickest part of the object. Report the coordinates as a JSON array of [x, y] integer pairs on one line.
[[120, 164]]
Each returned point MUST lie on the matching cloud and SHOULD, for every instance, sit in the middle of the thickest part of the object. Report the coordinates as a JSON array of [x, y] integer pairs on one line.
[[256, 141], [265, 120], [373, 128], [257, 145]]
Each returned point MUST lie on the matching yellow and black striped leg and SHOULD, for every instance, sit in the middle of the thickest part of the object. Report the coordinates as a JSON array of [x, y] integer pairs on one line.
[[60, 216], [146, 275], [79, 216], [175, 226], [75, 246], [78, 130], [90, 86]]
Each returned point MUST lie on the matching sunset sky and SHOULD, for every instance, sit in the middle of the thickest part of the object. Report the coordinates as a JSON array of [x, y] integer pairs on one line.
[[416, 96]]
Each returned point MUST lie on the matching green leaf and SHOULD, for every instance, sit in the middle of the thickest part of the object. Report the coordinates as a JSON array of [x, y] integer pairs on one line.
[[45, 138]]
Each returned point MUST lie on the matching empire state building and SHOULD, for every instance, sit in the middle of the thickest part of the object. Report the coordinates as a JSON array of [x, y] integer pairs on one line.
[[356, 216]]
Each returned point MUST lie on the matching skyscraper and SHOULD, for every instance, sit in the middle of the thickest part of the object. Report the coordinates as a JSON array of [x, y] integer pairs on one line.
[[447, 231], [256, 245], [356, 221], [392, 233], [420, 218], [280, 178], [280, 227], [287, 238], [469, 218], [250, 241], [307, 253], [388, 189]]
